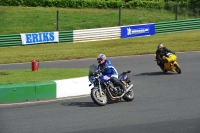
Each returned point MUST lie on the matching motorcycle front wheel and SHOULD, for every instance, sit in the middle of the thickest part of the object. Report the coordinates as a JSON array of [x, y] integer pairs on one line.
[[97, 98], [178, 69], [129, 96]]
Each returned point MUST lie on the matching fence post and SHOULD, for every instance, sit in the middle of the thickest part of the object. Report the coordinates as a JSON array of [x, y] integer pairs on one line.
[[119, 20], [176, 12], [57, 20]]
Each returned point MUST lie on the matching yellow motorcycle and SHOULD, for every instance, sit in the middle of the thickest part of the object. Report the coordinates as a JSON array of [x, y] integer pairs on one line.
[[170, 63]]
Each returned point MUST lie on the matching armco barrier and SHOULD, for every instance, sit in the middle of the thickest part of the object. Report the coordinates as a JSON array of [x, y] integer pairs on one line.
[[97, 34], [44, 90], [179, 25], [10, 40], [66, 36], [27, 92]]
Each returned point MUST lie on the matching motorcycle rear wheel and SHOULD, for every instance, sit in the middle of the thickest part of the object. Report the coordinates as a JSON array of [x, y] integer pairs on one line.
[[178, 69], [129, 96], [163, 69], [99, 100]]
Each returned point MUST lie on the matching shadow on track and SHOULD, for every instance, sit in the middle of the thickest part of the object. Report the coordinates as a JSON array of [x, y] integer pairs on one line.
[[79, 104], [154, 73], [87, 104]]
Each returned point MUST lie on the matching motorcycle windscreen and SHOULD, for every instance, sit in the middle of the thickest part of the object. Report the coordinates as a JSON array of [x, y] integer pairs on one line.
[[92, 70]]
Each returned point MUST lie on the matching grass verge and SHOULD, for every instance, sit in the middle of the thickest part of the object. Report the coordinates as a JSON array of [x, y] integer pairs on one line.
[[180, 41], [28, 76]]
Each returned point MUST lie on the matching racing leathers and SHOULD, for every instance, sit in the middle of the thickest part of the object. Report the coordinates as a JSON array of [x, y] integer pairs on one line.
[[107, 69], [159, 54]]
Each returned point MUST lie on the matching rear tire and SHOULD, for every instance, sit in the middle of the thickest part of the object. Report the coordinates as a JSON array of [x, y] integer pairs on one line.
[[99, 100], [163, 69], [129, 96], [178, 69]]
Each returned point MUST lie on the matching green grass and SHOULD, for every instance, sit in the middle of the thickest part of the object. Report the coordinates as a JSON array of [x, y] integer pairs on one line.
[[26, 19], [180, 41], [15, 20], [28, 76]]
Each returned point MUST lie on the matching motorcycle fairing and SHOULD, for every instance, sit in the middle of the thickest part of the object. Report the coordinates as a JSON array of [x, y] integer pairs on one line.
[[124, 77], [171, 60]]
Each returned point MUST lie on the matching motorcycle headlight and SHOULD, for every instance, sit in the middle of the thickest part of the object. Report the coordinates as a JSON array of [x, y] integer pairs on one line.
[[169, 54], [92, 79]]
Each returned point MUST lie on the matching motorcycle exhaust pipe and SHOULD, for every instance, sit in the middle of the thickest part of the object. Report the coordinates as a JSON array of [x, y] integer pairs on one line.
[[129, 88], [122, 94]]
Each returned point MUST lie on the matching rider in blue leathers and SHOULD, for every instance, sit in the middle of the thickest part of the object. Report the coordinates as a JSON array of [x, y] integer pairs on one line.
[[105, 66], [108, 71]]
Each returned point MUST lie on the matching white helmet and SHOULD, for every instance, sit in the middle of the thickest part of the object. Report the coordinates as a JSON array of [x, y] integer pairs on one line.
[[160, 45]]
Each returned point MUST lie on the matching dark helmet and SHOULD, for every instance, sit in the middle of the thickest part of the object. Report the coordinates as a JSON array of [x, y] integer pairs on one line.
[[101, 58]]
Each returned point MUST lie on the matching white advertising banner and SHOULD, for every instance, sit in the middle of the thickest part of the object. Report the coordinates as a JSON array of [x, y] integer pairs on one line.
[[41, 37]]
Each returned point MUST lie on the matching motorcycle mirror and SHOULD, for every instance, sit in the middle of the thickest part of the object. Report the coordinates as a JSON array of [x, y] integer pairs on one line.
[[128, 71]]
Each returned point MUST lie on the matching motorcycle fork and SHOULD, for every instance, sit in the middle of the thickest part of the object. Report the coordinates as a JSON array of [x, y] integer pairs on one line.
[[173, 66], [100, 89]]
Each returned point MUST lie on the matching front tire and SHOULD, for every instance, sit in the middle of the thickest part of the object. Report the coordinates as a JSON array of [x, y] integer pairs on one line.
[[129, 96], [97, 98], [178, 69]]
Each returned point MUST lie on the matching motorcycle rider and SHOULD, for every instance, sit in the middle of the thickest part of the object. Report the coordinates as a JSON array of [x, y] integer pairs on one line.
[[109, 71], [106, 67], [160, 52]]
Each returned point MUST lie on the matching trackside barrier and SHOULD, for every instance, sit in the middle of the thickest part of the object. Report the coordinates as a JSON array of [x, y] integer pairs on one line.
[[15, 39], [27, 92], [109, 33], [66, 36], [97, 34], [175, 26], [44, 90], [10, 40], [72, 87]]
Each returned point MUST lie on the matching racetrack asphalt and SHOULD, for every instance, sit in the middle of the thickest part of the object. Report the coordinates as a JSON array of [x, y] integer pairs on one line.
[[164, 103]]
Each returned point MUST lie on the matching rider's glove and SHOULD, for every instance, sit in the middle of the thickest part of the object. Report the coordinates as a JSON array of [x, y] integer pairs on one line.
[[96, 72]]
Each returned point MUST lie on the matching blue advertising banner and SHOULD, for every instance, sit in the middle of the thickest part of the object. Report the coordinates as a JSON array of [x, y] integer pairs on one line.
[[137, 30]]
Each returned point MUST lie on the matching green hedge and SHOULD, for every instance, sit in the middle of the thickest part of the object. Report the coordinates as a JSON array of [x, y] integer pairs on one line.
[[85, 3], [152, 4]]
